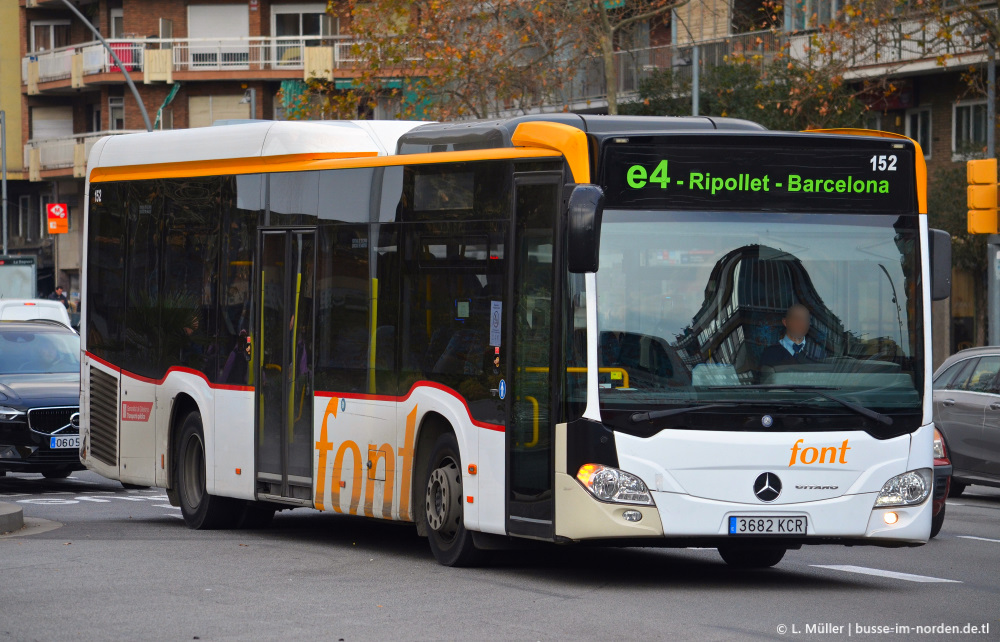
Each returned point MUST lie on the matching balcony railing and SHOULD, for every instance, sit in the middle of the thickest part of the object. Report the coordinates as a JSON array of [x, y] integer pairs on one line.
[[637, 65], [190, 54], [63, 152]]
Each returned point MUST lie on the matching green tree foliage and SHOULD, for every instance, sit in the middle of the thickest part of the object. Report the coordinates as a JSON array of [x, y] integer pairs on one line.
[[780, 94]]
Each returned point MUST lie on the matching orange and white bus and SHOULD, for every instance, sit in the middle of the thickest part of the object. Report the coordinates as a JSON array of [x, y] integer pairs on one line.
[[638, 331]]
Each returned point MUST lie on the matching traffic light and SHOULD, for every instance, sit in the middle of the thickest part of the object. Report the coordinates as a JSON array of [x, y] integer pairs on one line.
[[982, 196]]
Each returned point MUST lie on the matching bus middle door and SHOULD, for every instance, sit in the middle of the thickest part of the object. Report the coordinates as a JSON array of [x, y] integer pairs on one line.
[[284, 343]]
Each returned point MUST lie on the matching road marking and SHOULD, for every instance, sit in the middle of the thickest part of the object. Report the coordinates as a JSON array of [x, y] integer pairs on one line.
[[879, 572], [981, 539], [93, 499], [951, 503], [174, 515], [167, 506]]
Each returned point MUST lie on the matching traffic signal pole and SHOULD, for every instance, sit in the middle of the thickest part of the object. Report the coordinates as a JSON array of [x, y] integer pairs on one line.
[[993, 242]]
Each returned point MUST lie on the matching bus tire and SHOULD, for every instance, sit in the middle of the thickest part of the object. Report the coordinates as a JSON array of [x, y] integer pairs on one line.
[[742, 557], [937, 522], [200, 510], [450, 542]]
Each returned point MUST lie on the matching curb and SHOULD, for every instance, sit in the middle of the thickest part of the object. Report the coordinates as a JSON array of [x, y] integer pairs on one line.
[[11, 518]]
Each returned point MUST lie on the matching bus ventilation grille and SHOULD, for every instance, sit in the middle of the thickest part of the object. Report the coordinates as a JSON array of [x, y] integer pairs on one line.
[[103, 417]]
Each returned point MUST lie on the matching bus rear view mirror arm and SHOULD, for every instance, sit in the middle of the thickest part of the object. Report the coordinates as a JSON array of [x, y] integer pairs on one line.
[[940, 250], [584, 213]]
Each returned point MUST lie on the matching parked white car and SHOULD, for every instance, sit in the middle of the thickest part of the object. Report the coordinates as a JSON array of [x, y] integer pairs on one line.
[[29, 309]]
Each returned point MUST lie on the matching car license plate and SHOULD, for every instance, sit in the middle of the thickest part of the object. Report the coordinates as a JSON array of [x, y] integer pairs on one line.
[[768, 525], [69, 441]]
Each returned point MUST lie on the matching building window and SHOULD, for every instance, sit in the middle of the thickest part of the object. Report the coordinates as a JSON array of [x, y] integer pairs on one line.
[[166, 119], [918, 127], [94, 123], [205, 110], [49, 34], [809, 14], [968, 129], [117, 23], [116, 113], [873, 120], [17, 223]]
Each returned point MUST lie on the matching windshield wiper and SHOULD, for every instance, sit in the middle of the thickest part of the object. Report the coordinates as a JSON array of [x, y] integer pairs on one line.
[[659, 414], [850, 405]]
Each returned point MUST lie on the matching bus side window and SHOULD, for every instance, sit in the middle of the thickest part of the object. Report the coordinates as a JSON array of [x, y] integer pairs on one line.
[[344, 298], [241, 211]]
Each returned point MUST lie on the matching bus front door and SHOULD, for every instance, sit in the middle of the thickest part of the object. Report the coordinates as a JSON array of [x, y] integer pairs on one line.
[[284, 349], [530, 477]]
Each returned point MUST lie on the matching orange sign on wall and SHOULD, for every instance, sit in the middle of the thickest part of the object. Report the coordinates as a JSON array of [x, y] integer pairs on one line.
[[58, 218]]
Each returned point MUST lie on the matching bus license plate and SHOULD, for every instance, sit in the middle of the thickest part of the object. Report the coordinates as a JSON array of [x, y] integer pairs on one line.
[[768, 525], [69, 441]]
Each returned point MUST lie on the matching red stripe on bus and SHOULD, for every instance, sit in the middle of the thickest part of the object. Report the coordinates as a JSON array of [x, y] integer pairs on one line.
[[318, 393], [158, 382], [395, 399]]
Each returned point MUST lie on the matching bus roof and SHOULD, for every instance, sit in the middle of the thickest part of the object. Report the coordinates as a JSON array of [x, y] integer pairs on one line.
[[341, 138], [483, 134]]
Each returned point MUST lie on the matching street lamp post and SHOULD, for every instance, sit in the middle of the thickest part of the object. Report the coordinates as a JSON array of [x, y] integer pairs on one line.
[[114, 56]]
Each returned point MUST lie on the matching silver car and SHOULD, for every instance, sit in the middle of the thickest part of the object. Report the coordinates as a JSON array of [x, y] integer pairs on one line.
[[967, 412]]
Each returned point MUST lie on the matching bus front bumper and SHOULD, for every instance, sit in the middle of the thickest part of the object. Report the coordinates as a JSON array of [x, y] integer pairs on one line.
[[848, 519]]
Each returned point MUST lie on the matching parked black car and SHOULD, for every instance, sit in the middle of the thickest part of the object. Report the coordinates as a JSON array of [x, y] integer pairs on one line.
[[967, 412], [39, 398]]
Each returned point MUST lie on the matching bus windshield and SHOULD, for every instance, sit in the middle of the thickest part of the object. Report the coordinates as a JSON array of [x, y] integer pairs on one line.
[[718, 312]]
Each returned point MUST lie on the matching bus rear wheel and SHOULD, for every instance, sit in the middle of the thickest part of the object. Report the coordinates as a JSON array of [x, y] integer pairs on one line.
[[740, 557], [200, 510], [450, 542]]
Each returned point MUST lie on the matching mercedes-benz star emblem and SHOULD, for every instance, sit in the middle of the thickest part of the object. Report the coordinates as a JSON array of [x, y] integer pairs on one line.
[[767, 487], [766, 421]]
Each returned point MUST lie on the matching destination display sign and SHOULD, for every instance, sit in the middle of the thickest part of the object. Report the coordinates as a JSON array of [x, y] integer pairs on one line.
[[878, 179]]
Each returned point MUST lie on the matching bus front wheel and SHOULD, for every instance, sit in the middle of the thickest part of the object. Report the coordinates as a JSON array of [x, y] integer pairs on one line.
[[740, 557], [200, 510], [450, 542]]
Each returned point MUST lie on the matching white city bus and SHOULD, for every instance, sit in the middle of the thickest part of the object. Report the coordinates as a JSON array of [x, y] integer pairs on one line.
[[632, 331]]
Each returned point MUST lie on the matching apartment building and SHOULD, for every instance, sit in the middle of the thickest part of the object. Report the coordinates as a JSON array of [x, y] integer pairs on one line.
[[194, 62]]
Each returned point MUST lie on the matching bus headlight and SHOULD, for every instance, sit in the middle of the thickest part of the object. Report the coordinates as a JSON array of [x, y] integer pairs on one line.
[[908, 489], [612, 485]]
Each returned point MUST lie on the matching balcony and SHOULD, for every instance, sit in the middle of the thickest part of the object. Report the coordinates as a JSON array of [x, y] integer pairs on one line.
[[162, 59], [55, 157], [588, 88]]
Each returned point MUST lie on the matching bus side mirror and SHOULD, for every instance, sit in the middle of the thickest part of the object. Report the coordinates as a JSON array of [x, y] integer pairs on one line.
[[940, 246], [584, 213]]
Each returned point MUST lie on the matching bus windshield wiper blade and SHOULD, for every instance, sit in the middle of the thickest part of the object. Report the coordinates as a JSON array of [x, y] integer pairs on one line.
[[850, 405], [659, 414]]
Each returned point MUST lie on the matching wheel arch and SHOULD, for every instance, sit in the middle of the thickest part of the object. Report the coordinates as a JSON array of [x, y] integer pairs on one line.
[[432, 426], [183, 405]]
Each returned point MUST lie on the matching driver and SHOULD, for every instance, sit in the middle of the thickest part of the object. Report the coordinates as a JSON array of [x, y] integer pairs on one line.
[[793, 348], [48, 356]]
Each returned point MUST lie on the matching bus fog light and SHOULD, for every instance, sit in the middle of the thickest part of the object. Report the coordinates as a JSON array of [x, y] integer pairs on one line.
[[612, 485], [890, 518], [908, 489], [632, 515]]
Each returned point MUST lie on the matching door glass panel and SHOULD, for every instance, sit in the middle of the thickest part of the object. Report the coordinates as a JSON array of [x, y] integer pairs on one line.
[[300, 373], [271, 348], [983, 375], [531, 434]]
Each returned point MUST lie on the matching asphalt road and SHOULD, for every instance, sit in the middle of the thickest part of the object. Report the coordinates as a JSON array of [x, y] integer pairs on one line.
[[101, 563]]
